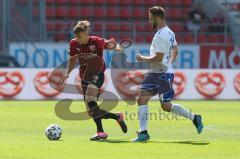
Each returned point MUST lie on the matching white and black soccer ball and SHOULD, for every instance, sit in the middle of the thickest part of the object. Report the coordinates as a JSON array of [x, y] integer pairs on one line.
[[53, 132]]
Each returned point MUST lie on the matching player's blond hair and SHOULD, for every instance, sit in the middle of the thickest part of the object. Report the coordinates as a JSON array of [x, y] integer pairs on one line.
[[81, 26]]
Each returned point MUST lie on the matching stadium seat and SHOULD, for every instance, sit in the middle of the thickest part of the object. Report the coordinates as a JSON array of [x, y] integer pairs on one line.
[[73, 12], [175, 13], [140, 39], [112, 27], [202, 38], [112, 1], [86, 12], [60, 37], [60, 12], [35, 12], [187, 2], [125, 27], [125, 2], [176, 2], [177, 27], [137, 12], [124, 12], [60, 2], [213, 38], [100, 2], [97, 27], [188, 38], [73, 2], [148, 38], [112, 12], [137, 2], [140, 27], [87, 2], [149, 2], [99, 12], [50, 12], [50, 27], [125, 36]]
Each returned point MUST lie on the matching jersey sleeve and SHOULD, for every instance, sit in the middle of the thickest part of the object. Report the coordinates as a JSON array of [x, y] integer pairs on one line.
[[72, 48], [159, 45], [100, 41]]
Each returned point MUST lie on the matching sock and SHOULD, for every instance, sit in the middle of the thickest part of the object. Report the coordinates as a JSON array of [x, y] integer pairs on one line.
[[143, 117], [109, 115], [94, 109], [98, 122], [180, 110]]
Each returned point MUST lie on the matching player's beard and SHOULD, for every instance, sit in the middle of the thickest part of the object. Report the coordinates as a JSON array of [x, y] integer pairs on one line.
[[154, 25]]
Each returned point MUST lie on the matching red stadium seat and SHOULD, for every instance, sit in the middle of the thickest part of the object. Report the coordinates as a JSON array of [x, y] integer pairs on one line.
[[125, 2], [112, 27], [187, 38], [73, 12], [50, 26], [86, 12], [125, 36], [149, 2], [175, 13], [88, 2], [100, 2], [229, 39], [140, 39], [140, 27], [177, 27], [137, 12], [61, 2], [60, 12], [50, 12], [176, 2], [162, 2], [97, 27], [187, 2], [99, 12], [124, 12], [60, 37], [35, 12], [125, 27], [213, 38], [148, 38], [112, 12], [112, 1], [73, 2], [137, 2], [202, 38]]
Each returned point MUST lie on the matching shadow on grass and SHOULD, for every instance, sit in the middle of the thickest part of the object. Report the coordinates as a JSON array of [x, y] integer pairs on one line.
[[184, 142], [117, 141]]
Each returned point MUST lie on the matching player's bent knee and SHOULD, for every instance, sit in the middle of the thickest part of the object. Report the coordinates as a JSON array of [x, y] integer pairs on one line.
[[141, 100], [166, 107]]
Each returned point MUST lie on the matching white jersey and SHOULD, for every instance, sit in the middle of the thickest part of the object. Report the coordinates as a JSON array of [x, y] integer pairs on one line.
[[162, 42]]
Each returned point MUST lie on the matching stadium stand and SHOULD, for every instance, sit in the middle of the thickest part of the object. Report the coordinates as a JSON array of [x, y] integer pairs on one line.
[[122, 19]]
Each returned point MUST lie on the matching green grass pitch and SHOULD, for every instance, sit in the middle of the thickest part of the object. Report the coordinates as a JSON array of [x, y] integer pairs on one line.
[[22, 125]]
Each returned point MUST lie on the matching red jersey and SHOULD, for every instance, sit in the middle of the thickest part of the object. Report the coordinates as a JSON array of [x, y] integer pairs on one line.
[[90, 56]]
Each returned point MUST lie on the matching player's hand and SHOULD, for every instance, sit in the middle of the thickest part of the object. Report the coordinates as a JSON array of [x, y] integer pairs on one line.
[[139, 57], [63, 80], [111, 43]]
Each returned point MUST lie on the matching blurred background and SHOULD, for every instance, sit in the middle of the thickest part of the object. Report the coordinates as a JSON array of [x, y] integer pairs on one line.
[[35, 33]]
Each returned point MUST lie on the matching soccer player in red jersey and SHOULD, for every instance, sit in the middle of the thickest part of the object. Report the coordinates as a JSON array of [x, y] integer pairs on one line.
[[89, 52]]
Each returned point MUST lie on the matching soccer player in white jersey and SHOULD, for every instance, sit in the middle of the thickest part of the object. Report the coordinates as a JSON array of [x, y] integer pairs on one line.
[[159, 79]]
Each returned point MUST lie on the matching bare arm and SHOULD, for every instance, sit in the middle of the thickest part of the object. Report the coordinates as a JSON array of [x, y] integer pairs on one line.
[[174, 54], [112, 45], [71, 64], [70, 67], [155, 58]]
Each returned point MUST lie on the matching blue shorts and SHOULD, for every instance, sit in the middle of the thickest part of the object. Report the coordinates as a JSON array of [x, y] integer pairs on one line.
[[168, 96], [155, 83]]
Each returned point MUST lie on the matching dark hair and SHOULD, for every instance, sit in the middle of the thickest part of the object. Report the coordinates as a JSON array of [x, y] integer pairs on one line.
[[81, 27], [157, 11]]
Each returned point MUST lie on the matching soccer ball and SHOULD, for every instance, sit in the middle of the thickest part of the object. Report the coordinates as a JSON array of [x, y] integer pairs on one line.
[[53, 132]]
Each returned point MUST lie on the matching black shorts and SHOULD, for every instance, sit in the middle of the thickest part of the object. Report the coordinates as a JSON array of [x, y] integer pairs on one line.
[[98, 81]]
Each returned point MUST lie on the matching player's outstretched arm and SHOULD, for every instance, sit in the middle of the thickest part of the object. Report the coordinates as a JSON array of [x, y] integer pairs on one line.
[[112, 45]]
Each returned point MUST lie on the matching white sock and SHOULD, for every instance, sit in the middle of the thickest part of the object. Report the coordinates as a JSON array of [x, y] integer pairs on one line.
[[143, 117], [180, 110]]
